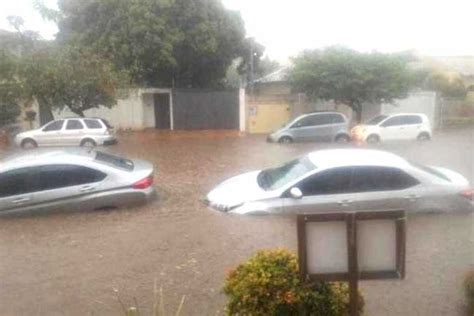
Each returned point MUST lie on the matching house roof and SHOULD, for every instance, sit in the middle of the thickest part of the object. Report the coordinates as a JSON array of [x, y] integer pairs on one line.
[[276, 76]]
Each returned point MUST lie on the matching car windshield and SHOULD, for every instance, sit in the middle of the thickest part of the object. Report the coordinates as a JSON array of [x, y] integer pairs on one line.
[[114, 161], [275, 178], [375, 120]]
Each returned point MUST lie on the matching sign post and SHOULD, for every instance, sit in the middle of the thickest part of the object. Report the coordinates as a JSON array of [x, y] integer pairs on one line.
[[352, 246]]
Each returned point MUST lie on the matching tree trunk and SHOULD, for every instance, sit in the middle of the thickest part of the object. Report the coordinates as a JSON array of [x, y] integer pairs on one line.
[[45, 113], [357, 109], [78, 112], [359, 115]]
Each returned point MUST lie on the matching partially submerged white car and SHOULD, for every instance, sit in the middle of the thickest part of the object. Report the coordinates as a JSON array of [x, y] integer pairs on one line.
[[402, 126], [86, 132], [340, 180]]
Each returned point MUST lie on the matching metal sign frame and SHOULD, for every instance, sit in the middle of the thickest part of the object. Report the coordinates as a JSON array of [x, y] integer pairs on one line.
[[353, 275]]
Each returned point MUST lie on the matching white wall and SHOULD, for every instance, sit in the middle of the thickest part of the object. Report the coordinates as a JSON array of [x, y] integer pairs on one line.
[[416, 102], [148, 110]]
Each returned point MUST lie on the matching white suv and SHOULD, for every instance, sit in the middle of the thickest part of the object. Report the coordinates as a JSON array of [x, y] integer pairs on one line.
[[393, 127], [87, 132]]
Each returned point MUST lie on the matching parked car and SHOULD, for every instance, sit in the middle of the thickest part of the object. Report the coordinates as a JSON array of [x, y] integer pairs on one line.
[[340, 180], [88, 132], [316, 126], [393, 127], [73, 178]]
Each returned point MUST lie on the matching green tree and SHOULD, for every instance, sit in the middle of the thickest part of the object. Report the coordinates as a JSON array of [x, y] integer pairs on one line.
[[59, 77], [182, 43], [350, 77], [56, 76], [450, 87]]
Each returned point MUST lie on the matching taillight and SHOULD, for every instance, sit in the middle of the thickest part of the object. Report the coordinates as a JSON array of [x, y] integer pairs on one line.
[[468, 194], [143, 183]]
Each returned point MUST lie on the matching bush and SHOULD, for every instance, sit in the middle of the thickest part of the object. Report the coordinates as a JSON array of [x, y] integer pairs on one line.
[[269, 284], [469, 291]]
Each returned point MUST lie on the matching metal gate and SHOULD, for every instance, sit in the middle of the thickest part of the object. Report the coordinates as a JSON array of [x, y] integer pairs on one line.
[[205, 109]]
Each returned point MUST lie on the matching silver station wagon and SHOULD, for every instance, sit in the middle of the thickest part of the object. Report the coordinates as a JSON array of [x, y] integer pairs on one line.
[[87, 132], [341, 180], [72, 179], [316, 126]]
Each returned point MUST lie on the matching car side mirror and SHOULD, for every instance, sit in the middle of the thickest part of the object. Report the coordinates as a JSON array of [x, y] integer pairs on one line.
[[296, 193]]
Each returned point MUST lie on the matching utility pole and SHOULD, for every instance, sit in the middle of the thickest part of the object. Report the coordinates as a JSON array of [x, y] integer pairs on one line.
[[251, 67]]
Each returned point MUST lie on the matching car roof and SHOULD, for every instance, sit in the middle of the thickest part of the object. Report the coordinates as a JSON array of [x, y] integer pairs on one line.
[[398, 114], [331, 158], [47, 155], [324, 112]]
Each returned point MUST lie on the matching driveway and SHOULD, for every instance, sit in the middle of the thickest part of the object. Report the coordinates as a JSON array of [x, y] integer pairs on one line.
[[75, 263]]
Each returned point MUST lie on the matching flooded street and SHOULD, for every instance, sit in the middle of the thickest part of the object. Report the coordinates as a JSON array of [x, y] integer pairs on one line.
[[74, 263]]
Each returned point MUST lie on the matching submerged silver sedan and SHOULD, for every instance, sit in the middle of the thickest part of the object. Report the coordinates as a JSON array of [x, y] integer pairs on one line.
[[340, 180], [73, 179]]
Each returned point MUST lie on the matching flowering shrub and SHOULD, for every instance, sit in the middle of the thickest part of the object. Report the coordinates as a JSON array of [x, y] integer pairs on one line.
[[269, 284]]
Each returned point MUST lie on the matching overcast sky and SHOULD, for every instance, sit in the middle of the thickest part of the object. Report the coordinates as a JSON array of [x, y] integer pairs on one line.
[[285, 27]]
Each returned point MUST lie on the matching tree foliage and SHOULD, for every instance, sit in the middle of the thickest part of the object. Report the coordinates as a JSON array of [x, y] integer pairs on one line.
[[350, 77], [182, 43], [56, 76], [447, 86]]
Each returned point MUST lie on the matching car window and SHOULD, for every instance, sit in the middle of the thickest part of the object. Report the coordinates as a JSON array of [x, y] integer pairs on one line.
[[61, 176], [336, 118], [114, 161], [54, 126], [106, 123], [332, 181], [393, 121], [411, 119], [323, 119], [17, 182], [304, 122], [93, 124], [376, 120], [74, 124], [275, 178], [375, 178]]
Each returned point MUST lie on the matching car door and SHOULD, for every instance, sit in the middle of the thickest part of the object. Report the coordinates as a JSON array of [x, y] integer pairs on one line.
[[16, 188], [324, 191], [338, 125], [62, 185], [302, 130], [73, 133], [392, 128], [413, 126], [379, 188], [50, 134], [322, 129]]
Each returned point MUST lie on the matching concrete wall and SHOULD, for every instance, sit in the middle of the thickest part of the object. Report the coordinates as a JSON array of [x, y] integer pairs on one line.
[[127, 114], [416, 102]]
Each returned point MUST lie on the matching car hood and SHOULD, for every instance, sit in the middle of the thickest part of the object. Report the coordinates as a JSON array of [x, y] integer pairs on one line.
[[237, 190], [27, 133]]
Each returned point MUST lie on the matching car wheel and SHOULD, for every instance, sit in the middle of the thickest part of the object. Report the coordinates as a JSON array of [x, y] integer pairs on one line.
[[29, 143], [423, 137], [285, 140], [342, 138], [89, 143], [373, 139]]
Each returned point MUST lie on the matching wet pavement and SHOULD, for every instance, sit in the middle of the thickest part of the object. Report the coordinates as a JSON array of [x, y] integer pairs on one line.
[[78, 263]]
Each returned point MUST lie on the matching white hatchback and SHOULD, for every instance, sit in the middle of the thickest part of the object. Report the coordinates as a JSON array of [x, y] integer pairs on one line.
[[393, 127], [87, 132]]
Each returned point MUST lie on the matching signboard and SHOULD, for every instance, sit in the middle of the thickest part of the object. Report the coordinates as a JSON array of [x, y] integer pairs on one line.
[[351, 247]]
